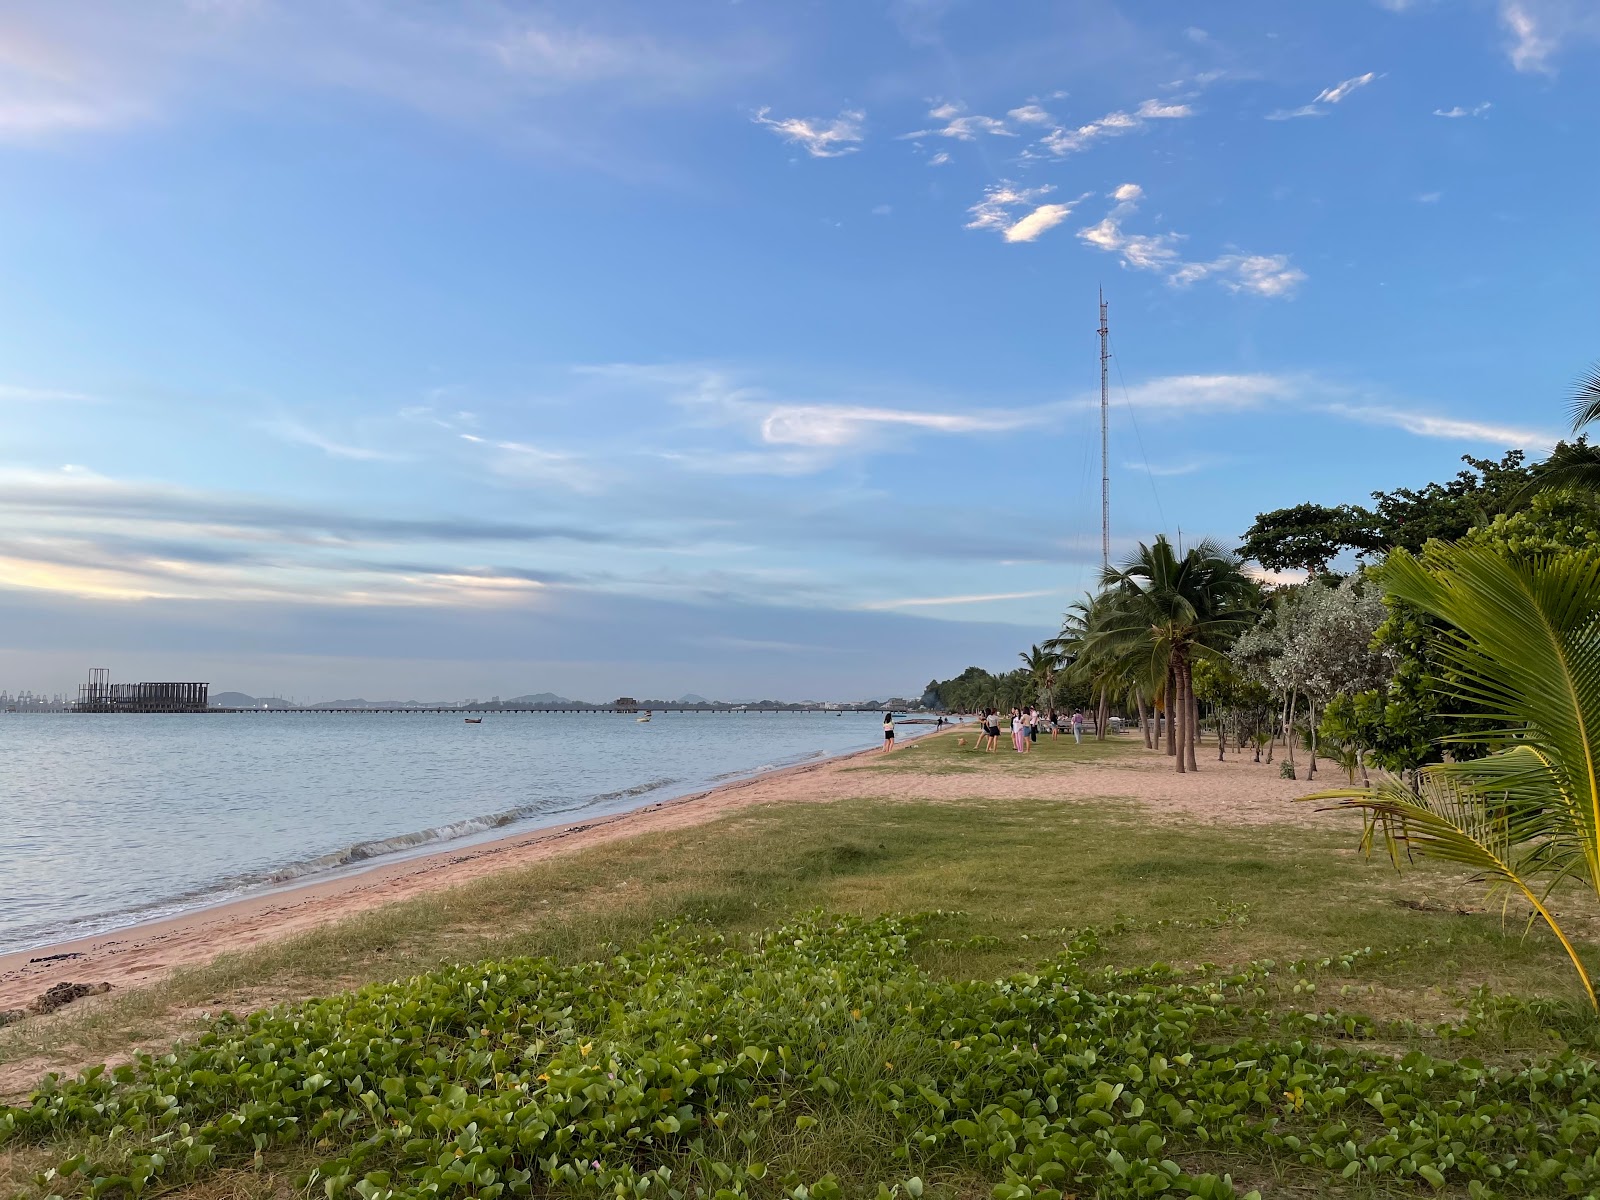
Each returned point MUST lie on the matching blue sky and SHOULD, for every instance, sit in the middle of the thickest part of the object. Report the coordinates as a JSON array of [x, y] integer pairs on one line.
[[738, 347]]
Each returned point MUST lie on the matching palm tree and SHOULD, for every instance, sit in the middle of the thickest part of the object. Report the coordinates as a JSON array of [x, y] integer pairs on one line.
[[1167, 611], [1042, 665], [1574, 464], [1526, 648]]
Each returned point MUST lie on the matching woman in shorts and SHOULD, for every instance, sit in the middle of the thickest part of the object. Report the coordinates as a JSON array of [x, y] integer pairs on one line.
[[888, 732]]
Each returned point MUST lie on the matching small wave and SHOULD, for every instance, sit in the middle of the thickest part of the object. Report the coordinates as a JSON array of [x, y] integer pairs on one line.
[[654, 785]]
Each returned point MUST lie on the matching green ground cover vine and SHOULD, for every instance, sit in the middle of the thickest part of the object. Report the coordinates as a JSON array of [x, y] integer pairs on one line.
[[698, 1064]]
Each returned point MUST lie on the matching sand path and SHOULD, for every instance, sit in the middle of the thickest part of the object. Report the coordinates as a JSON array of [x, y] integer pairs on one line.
[[1233, 792]]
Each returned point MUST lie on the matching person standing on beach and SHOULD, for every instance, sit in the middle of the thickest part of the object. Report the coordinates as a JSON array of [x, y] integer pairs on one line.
[[1033, 725], [888, 732], [1016, 729], [991, 729], [1077, 726], [1055, 723]]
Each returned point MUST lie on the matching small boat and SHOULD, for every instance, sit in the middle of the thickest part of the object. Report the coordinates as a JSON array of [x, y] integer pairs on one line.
[[643, 719], [473, 720]]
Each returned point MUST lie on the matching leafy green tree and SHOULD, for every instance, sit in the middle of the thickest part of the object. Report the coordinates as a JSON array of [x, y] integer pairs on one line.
[[1408, 518], [1552, 522], [1525, 650], [1308, 537]]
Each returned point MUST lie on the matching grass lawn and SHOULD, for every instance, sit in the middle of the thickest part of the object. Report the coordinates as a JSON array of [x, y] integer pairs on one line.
[[1011, 880]]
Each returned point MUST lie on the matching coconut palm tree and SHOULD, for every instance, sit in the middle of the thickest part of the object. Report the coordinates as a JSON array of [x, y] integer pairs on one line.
[[1162, 611], [1574, 464], [1042, 664], [1526, 648]]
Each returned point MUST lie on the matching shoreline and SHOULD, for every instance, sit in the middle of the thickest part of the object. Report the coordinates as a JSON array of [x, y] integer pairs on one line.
[[140, 953]]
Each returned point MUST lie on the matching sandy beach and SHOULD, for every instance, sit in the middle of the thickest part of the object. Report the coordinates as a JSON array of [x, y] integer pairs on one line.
[[1236, 792]]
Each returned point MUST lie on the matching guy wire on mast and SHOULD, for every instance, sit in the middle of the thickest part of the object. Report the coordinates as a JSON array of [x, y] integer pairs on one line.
[[1105, 442]]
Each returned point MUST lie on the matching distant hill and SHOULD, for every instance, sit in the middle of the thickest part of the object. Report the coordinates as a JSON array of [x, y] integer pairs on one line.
[[691, 698], [538, 699], [240, 700]]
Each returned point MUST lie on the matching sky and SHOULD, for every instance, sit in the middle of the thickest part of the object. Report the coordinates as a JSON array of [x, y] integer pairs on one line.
[[449, 348]]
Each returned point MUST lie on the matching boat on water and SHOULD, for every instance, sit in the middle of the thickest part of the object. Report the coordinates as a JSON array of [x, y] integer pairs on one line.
[[473, 720], [643, 719]]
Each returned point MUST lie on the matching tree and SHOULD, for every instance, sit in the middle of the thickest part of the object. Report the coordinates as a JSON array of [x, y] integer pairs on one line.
[[1526, 650], [1042, 664], [1409, 518], [1168, 611], [1308, 537]]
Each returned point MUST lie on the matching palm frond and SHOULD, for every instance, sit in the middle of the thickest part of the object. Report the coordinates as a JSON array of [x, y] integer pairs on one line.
[[1498, 836], [1586, 399]]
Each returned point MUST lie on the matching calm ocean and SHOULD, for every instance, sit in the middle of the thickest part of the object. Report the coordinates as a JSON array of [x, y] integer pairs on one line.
[[113, 820]]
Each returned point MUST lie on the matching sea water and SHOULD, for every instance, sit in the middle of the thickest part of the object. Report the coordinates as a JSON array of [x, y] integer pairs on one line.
[[110, 820]]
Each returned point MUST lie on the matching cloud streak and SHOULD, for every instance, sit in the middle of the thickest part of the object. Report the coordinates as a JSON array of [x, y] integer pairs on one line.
[[1325, 99], [819, 138]]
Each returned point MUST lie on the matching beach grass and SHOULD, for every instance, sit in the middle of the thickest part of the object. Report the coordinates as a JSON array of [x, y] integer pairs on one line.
[[1014, 879]]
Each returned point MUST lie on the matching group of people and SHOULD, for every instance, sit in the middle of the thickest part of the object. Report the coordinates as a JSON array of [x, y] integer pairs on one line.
[[1025, 724]]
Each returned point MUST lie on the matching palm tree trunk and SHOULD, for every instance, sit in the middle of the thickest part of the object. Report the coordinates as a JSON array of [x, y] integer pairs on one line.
[[1101, 715], [1171, 709], [1143, 727], [1192, 713], [1179, 721]]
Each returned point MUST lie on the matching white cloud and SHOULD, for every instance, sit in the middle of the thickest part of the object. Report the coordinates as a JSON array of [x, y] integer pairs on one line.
[[1476, 110], [291, 430], [1449, 428], [96, 65], [939, 159], [1339, 91], [1531, 46], [1430, 197], [833, 426], [1030, 114], [962, 126], [1061, 141], [821, 139], [997, 211], [41, 395], [1326, 97], [936, 601], [1261, 274], [1046, 216], [1212, 393]]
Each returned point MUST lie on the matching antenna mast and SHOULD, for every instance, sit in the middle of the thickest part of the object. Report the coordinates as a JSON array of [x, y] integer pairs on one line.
[[1105, 441]]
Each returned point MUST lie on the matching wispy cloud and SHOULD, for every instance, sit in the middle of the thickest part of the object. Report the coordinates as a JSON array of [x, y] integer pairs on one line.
[[1260, 274], [1062, 141], [961, 125], [939, 601], [1325, 99], [1166, 470], [34, 395], [1213, 393], [819, 137], [1457, 112], [939, 159], [1001, 210], [1450, 428], [836, 425], [1532, 45], [292, 430]]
